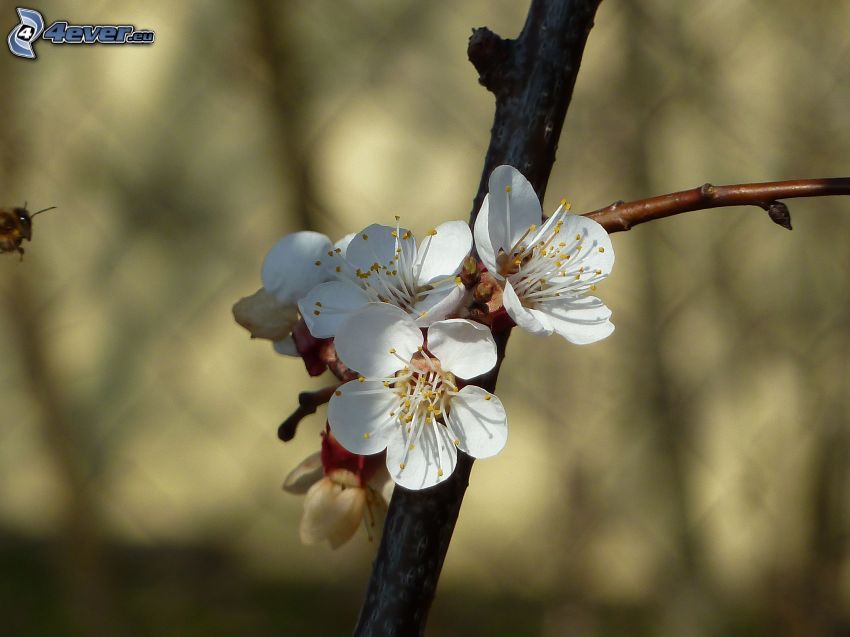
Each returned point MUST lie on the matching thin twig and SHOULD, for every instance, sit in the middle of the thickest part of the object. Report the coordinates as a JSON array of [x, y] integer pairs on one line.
[[308, 402], [621, 216]]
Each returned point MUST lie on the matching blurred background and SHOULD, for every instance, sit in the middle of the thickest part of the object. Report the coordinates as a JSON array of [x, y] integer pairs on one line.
[[688, 476]]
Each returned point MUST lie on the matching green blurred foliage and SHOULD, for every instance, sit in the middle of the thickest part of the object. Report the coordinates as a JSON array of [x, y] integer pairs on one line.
[[688, 476]]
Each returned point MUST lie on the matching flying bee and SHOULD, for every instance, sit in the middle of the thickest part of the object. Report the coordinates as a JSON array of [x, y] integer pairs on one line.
[[15, 226]]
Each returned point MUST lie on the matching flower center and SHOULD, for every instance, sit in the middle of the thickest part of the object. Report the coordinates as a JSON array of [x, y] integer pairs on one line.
[[396, 281], [424, 393], [543, 264]]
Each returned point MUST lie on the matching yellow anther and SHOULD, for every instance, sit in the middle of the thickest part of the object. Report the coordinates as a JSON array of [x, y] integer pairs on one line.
[[432, 232], [386, 383], [394, 234], [365, 237], [601, 249], [316, 312], [318, 263], [569, 206], [338, 250], [458, 280], [366, 435], [598, 271], [578, 237], [581, 269], [330, 253], [361, 379], [406, 235], [338, 269], [423, 314], [563, 202], [412, 446], [558, 264], [562, 245], [439, 473], [487, 397], [578, 276], [532, 227], [593, 287], [456, 441], [337, 393], [507, 188], [392, 350], [397, 218], [401, 466]]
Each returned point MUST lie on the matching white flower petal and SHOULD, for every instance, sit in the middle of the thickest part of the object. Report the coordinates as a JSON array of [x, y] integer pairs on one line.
[[596, 252], [308, 472], [463, 348], [508, 223], [483, 244], [438, 304], [289, 269], [286, 346], [372, 340], [375, 244], [479, 421], [327, 306], [580, 320], [442, 254], [358, 414], [342, 244], [530, 320], [431, 461], [331, 513]]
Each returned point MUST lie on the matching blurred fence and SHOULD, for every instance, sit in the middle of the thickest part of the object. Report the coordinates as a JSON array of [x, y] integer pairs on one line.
[[688, 476]]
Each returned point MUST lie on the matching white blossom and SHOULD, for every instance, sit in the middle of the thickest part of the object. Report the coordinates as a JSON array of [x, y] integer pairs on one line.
[[384, 264], [289, 271], [546, 269], [408, 399]]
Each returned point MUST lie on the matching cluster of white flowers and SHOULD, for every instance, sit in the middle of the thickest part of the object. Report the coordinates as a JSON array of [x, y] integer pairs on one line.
[[399, 314]]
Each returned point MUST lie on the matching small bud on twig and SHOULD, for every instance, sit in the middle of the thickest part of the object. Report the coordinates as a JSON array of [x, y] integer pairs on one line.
[[779, 214]]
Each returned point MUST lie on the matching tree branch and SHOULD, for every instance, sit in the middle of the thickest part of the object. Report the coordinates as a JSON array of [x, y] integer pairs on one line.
[[621, 216], [532, 78]]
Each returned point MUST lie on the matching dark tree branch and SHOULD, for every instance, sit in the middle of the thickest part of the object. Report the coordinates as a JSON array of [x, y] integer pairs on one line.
[[621, 216], [532, 78]]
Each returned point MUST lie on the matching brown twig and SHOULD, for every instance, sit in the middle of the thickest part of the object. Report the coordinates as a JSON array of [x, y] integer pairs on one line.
[[621, 216]]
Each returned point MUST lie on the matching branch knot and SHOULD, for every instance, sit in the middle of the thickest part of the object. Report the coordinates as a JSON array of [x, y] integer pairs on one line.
[[490, 54]]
